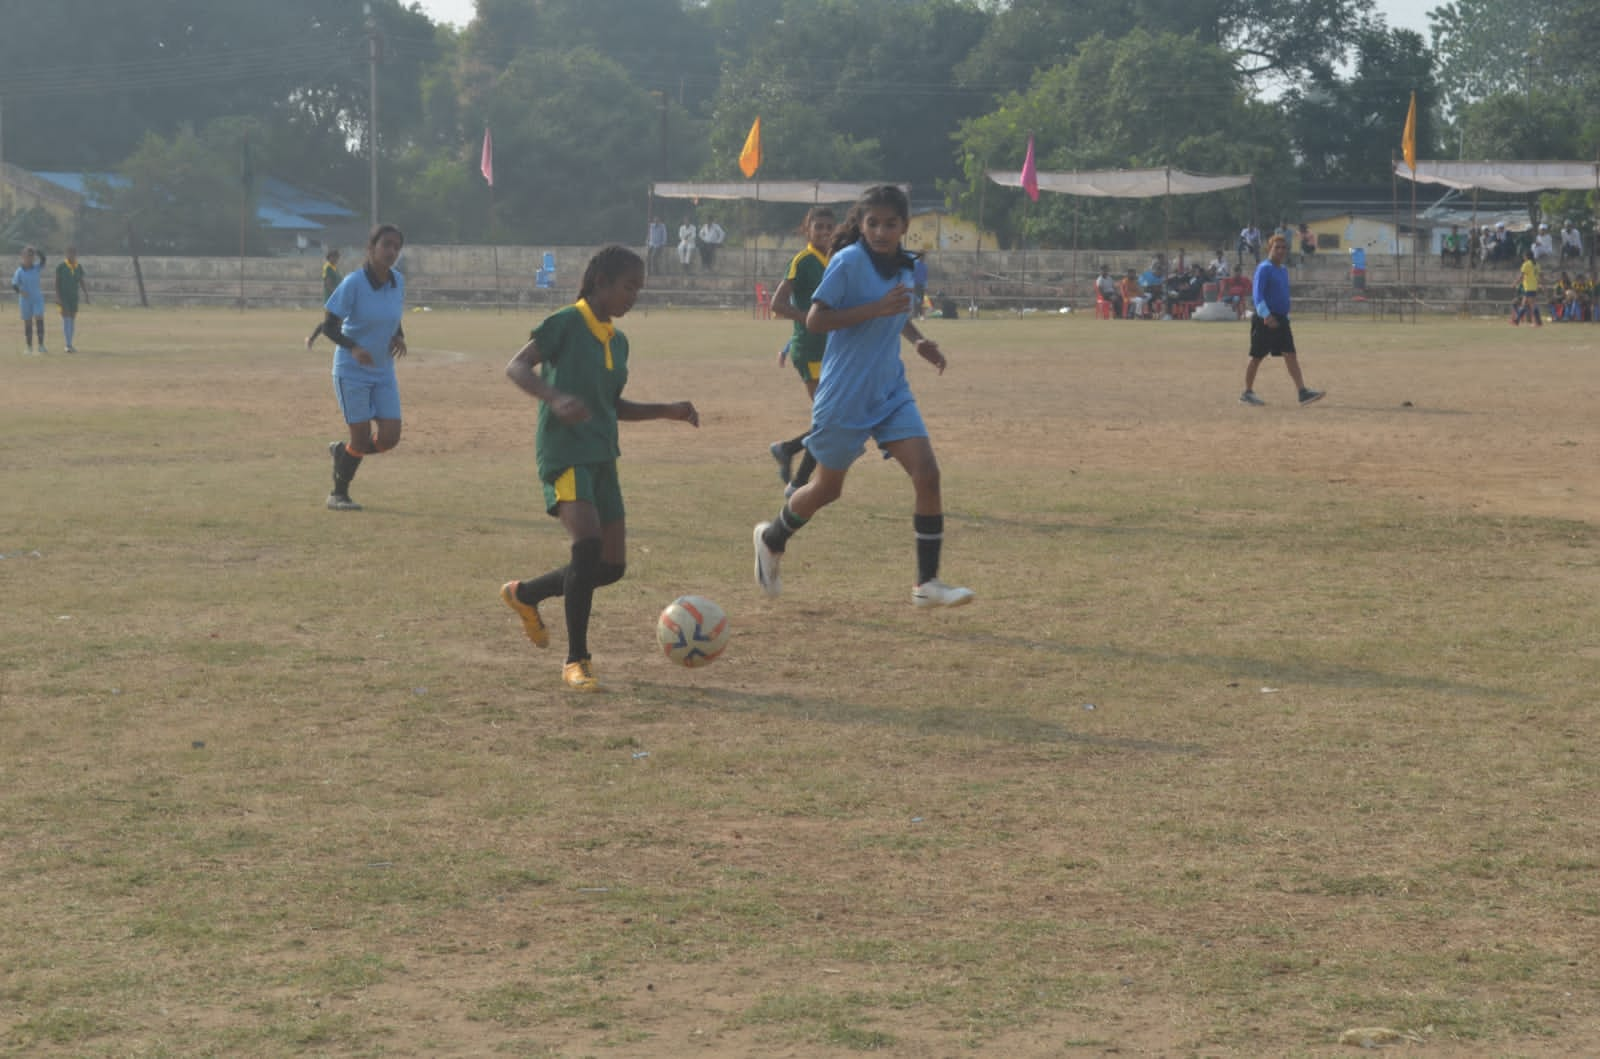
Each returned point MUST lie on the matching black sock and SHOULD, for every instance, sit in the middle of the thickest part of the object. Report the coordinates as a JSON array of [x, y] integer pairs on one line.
[[578, 595], [808, 463], [536, 590], [795, 445], [27, 326], [786, 525], [930, 540]]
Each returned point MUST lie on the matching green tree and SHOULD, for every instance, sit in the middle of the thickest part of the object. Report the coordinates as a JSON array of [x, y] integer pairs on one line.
[[851, 89], [183, 195], [1350, 129], [1099, 111], [1265, 38]]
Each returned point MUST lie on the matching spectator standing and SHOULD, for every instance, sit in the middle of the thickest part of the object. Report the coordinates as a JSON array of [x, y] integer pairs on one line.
[[1250, 243], [655, 242]]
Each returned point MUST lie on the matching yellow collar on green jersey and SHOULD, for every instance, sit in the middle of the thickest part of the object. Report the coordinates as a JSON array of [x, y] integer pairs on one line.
[[603, 333]]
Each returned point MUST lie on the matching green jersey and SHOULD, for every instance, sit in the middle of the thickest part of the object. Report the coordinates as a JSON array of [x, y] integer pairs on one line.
[[581, 356], [805, 272], [330, 279], [69, 282]]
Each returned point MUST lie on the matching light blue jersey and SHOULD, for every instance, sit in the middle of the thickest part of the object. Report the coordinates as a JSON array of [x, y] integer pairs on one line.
[[369, 316], [863, 390], [30, 293], [863, 378]]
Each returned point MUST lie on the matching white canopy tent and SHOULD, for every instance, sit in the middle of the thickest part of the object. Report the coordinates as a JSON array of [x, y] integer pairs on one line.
[[804, 191], [1116, 184], [1510, 177], [1515, 178], [1124, 183]]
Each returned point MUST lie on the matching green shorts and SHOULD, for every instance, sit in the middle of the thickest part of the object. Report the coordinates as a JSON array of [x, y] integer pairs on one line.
[[596, 483], [809, 368]]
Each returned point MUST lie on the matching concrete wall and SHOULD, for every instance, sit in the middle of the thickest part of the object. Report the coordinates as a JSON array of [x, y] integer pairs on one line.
[[465, 276]]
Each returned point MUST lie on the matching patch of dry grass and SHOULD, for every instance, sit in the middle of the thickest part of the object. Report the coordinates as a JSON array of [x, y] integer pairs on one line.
[[1266, 724]]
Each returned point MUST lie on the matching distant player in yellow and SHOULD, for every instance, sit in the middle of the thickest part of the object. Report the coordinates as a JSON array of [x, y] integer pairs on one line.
[[791, 301], [576, 364], [330, 283], [70, 287], [1528, 292]]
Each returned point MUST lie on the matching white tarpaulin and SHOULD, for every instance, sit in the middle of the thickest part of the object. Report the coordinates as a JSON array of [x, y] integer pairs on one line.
[[1510, 177], [1124, 183], [812, 191]]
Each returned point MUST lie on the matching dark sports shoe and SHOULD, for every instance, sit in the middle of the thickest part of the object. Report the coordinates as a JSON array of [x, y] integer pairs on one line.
[[1309, 396], [1249, 397], [342, 502], [785, 460]]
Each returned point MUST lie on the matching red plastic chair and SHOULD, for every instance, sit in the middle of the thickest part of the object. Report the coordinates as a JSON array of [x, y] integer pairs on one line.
[[1102, 308], [763, 308]]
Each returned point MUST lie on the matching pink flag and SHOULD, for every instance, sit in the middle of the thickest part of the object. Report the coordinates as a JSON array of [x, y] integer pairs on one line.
[[1030, 175], [486, 166]]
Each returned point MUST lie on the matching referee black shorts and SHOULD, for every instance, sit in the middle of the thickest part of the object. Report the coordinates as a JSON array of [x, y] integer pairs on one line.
[[1270, 341]]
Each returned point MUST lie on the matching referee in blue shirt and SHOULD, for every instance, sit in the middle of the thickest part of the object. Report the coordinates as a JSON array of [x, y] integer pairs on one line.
[[1270, 335]]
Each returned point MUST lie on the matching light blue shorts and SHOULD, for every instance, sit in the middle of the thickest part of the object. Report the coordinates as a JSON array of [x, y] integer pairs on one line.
[[363, 400], [30, 306], [836, 448]]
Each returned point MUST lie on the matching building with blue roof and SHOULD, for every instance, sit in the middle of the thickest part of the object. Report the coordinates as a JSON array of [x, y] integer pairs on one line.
[[293, 218]]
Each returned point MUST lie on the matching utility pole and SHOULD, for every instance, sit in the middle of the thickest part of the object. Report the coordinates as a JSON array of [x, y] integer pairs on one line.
[[372, 94], [663, 95]]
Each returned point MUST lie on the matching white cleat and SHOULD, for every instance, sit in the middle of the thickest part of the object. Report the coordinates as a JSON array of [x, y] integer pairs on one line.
[[766, 563], [936, 593]]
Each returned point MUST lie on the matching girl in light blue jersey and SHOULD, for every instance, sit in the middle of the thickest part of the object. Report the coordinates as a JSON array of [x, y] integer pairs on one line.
[[364, 321], [863, 304], [26, 281]]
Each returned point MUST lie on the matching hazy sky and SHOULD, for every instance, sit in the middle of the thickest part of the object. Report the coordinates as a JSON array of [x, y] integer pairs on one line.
[[1401, 14]]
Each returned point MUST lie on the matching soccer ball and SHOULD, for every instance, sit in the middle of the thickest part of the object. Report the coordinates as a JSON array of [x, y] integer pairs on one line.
[[692, 631]]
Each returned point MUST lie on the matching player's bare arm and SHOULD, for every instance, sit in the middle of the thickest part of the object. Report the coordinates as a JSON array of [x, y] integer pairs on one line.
[[926, 347], [523, 370], [633, 412]]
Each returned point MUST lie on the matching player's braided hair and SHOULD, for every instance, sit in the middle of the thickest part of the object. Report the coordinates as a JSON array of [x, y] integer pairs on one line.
[[610, 263]]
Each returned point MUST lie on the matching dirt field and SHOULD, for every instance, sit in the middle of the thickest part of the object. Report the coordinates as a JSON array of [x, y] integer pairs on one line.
[[1267, 724]]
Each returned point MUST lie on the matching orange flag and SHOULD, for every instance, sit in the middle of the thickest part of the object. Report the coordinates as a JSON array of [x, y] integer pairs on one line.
[[1408, 141], [750, 157]]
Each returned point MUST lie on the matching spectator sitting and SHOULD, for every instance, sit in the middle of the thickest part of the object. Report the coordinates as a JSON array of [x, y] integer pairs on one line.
[[1219, 267], [1106, 289], [1558, 297], [1133, 296], [1571, 242], [1571, 308], [1584, 285], [1451, 247], [1504, 248], [1543, 247], [1194, 286]]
